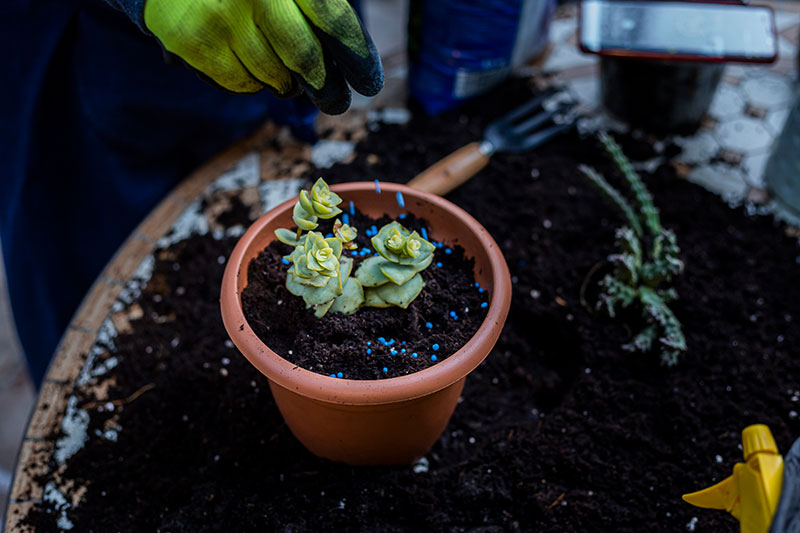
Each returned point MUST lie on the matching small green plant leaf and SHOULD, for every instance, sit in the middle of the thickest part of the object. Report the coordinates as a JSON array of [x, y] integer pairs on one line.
[[373, 299], [627, 268], [638, 275], [399, 295], [643, 197], [613, 194], [320, 203], [321, 255], [321, 310], [642, 342], [345, 233], [292, 285], [345, 268], [369, 273], [351, 299], [333, 288], [396, 244], [398, 274], [313, 282], [616, 294], [305, 219], [301, 269], [287, 236], [325, 294], [324, 200]]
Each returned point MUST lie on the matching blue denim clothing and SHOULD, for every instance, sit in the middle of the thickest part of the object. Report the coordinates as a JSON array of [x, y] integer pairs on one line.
[[96, 128]]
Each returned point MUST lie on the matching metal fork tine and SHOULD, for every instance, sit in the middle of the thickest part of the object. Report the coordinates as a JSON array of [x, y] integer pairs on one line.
[[524, 109], [540, 137], [534, 122]]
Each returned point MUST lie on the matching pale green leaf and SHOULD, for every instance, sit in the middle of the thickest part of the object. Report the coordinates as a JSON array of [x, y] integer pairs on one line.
[[287, 236], [351, 298], [397, 274], [401, 295], [369, 272]]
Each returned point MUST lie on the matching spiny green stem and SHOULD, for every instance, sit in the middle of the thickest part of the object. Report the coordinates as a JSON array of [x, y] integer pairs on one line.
[[643, 197], [600, 182]]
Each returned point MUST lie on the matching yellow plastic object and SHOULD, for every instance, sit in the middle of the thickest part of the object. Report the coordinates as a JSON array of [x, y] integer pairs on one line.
[[752, 492]]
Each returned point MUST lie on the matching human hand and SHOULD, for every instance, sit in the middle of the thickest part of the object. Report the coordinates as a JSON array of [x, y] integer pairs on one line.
[[285, 45]]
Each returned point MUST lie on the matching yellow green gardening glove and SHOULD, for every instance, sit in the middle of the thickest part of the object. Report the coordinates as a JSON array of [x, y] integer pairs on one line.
[[284, 45]]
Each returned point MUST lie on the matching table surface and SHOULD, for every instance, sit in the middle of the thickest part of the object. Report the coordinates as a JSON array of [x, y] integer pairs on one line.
[[726, 156]]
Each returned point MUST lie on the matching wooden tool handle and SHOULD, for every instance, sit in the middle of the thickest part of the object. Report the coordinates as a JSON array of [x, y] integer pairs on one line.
[[452, 171]]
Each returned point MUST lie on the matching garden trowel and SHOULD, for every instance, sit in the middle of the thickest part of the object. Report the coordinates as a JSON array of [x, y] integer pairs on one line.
[[524, 128]]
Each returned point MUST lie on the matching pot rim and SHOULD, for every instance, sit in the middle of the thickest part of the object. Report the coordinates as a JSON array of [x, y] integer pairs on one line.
[[355, 391]]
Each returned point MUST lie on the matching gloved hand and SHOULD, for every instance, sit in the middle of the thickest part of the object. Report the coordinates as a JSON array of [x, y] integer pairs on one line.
[[285, 45]]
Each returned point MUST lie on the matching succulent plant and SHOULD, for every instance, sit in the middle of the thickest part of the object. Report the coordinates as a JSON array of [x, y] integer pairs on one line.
[[640, 273], [392, 278], [346, 233], [319, 274], [321, 202], [322, 277]]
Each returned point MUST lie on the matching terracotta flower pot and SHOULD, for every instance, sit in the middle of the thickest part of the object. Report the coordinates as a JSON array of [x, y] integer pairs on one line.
[[372, 422]]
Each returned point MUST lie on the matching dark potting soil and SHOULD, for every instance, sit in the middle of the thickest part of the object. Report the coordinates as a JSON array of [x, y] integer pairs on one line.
[[362, 345], [559, 430]]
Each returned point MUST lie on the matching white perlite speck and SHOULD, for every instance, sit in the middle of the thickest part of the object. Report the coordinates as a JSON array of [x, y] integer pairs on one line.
[[133, 289], [107, 333], [104, 342], [74, 426], [274, 192], [421, 466], [390, 115], [691, 524], [327, 153], [59, 501], [191, 222], [245, 174]]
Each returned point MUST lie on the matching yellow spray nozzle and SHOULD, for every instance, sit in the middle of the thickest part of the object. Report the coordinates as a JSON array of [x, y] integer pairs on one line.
[[757, 439], [752, 492]]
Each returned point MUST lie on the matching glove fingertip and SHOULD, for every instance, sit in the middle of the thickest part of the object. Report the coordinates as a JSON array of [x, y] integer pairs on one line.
[[334, 97], [367, 81], [330, 103], [364, 74]]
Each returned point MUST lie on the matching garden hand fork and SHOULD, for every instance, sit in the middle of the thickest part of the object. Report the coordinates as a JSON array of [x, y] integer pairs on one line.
[[520, 130]]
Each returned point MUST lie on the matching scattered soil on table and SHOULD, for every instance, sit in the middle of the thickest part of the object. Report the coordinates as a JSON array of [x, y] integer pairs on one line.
[[337, 343], [559, 430]]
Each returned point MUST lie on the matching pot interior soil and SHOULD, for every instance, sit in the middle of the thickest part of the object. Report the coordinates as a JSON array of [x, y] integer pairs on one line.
[[558, 430], [372, 343]]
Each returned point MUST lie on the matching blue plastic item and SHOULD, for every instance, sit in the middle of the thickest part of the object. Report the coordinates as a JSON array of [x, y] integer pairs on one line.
[[459, 49]]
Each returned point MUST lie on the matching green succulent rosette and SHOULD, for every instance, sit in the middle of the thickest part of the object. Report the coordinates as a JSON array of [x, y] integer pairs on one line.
[[321, 202], [320, 275], [392, 278], [346, 233]]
